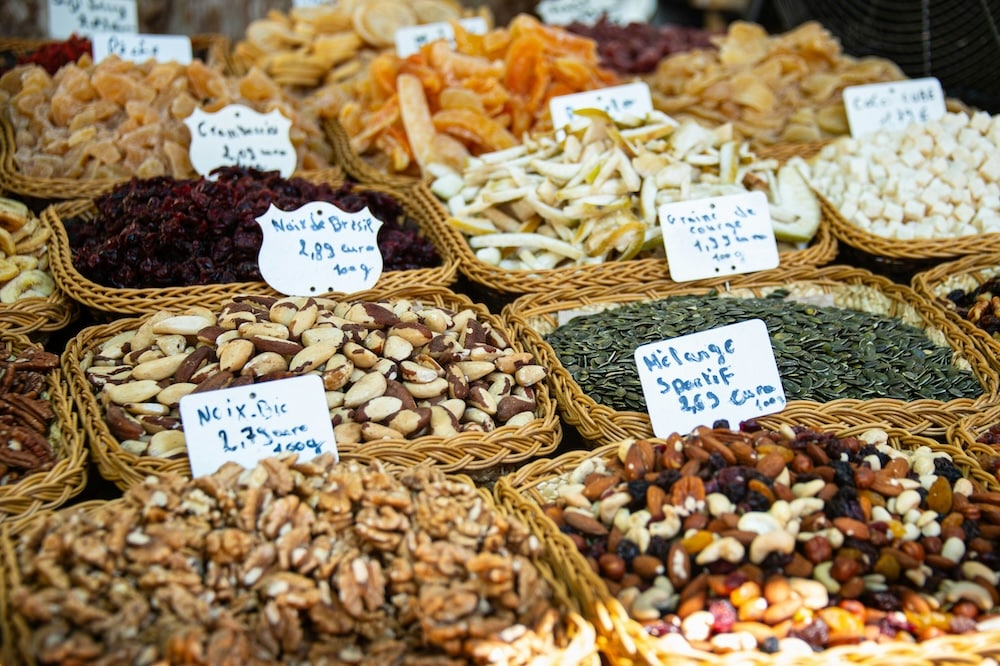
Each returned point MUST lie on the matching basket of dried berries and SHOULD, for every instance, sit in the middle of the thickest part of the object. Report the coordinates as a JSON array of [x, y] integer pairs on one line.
[[841, 336], [411, 375], [776, 543], [29, 298], [43, 455], [89, 127], [153, 244], [967, 290], [323, 562]]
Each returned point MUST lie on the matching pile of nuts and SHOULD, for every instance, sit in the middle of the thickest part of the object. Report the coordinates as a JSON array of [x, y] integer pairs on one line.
[[395, 369], [290, 563], [784, 540], [26, 415]]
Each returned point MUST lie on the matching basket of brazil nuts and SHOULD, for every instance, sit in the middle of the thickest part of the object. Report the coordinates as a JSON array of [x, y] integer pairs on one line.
[[968, 291], [411, 375], [43, 455], [320, 562], [582, 210], [29, 299], [120, 253], [776, 543], [840, 335]]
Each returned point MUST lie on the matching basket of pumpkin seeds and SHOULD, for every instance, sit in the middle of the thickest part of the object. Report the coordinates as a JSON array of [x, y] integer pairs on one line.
[[864, 347]]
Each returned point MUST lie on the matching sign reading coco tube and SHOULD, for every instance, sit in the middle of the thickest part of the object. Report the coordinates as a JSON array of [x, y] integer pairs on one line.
[[236, 135]]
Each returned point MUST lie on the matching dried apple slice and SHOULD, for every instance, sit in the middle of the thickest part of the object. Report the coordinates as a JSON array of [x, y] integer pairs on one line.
[[377, 22]]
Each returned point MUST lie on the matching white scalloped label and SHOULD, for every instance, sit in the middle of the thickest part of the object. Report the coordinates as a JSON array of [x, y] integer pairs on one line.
[[236, 135]]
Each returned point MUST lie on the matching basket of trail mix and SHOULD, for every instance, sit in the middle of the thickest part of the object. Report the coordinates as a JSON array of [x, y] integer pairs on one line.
[[968, 291], [410, 376], [840, 336], [774, 543], [159, 243], [43, 454], [288, 563]]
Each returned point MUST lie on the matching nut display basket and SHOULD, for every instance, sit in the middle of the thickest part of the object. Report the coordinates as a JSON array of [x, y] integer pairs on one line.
[[625, 641], [535, 315], [967, 274], [467, 452], [139, 301], [20, 500]]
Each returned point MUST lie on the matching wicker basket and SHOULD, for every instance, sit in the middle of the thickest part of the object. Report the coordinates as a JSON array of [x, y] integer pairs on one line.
[[140, 301], [356, 166], [39, 315], [532, 316], [625, 641], [967, 273], [965, 433], [19, 501], [467, 452]]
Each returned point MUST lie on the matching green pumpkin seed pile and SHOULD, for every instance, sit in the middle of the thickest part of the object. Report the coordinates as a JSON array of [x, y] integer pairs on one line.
[[823, 353]]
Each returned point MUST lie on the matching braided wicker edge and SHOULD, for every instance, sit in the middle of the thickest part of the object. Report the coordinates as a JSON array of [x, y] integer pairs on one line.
[[142, 301], [39, 315], [626, 642], [912, 250], [68, 477], [821, 251], [978, 268], [598, 424], [356, 166], [466, 452], [966, 432]]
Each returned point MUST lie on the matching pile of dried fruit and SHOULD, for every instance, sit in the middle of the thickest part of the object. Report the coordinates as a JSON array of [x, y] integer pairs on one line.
[[784, 540], [24, 256], [392, 370], [55, 54], [287, 564], [203, 231], [25, 413]]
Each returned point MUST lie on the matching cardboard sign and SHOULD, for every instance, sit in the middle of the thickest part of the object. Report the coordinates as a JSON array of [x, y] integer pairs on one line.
[[723, 373], [249, 423], [319, 248], [718, 236], [894, 105], [410, 39], [140, 48], [236, 135], [86, 17], [630, 99]]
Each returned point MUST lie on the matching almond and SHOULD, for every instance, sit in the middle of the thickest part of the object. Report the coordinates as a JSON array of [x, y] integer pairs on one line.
[[584, 523]]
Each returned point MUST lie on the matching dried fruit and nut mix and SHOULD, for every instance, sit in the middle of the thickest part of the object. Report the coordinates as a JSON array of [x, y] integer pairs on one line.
[[768, 539], [979, 305], [394, 369], [287, 563], [119, 119], [24, 256], [26, 417], [162, 232]]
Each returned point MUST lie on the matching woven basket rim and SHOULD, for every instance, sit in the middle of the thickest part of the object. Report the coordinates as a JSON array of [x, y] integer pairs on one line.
[[145, 300], [625, 638], [356, 166], [598, 423], [466, 452], [19, 501]]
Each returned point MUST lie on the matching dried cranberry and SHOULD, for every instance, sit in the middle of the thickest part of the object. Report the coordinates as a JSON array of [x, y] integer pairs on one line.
[[723, 614], [816, 633]]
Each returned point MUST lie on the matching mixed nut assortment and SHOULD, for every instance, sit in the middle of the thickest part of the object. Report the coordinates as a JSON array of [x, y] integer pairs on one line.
[[774, 538], [26, 417], [979, 305], [290, 563], [395, 369]]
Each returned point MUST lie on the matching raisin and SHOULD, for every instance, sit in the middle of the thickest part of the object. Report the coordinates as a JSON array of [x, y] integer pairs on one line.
[[627, 550], [843, 473], [946, 468], [816, 634], [769, 645]]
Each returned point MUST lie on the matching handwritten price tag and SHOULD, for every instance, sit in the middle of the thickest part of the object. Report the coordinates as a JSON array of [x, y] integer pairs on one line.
[[561, 12], [718, 236], [630, 99], [410, 39], [236, 135], [319, 248], [86, 17], [894, 105], [140, 48], [249, 423], [723, 373]]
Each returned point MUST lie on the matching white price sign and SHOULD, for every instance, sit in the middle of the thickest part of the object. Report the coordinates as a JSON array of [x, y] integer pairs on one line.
[[410, 39], [723, 373], [894, 105], [246, 424], [236, 135], [86, 17], [140, 48], [718, 236], [630, 99]]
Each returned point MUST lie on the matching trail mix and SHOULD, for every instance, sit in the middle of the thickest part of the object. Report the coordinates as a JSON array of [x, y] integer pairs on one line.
[[979, 306], [162, 232], [26, 416], [391, 369], [771, 539], [822, 352], [290, 563]]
